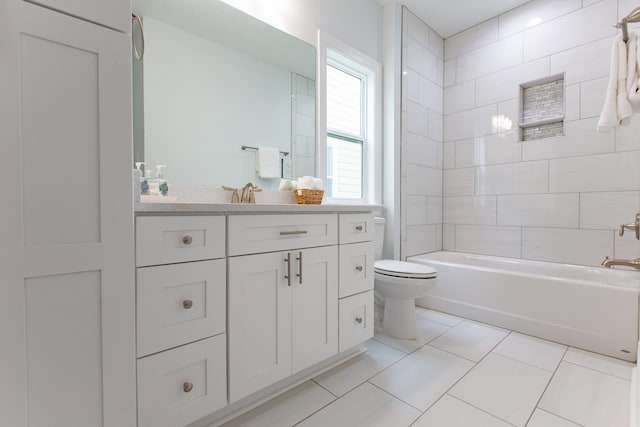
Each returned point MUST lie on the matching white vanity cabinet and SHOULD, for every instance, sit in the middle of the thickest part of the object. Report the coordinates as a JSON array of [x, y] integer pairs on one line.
[[181, 318], [283, 307], [67, 303]]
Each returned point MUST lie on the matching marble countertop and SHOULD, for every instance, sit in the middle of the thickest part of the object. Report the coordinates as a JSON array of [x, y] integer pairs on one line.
[[245, 208]]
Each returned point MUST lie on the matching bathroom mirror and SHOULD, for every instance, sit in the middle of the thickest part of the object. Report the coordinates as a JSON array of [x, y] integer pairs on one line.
[[214, 79]]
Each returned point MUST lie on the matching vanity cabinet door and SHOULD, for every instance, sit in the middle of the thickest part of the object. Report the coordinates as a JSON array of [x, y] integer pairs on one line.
[[67, 300], [314, 306], [259, 322]]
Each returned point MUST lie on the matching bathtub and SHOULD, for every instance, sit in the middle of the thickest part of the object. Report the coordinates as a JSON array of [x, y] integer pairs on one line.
[[595, 309]]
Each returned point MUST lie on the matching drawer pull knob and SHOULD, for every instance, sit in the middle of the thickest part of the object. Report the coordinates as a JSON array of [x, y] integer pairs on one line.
[[358, 228], [187, 387], [187, 240], [293, 233], [187, 304], [359, 268], [358, 320]]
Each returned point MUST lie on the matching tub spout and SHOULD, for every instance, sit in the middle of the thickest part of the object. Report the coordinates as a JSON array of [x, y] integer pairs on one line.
[[608, 262]]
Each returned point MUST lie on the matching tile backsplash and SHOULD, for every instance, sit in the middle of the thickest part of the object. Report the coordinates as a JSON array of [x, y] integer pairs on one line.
[[557, 199]]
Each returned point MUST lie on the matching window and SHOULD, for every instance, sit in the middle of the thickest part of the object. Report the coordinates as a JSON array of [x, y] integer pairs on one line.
[[350, 158]]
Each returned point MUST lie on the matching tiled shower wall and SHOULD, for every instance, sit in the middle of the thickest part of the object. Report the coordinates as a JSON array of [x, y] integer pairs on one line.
[[558, 199], [421, 164], [303, 128]]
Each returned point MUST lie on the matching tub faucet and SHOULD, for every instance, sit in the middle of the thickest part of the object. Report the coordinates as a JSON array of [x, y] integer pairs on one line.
[[608, 262]]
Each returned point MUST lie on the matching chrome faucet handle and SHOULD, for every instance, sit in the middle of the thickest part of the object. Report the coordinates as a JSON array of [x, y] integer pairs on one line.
[[234, 197]]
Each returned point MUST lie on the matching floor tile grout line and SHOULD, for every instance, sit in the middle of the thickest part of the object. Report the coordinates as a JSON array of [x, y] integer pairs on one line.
[[324, 388], [595, 370], [480, 409], [546, 387], [556, 415], [395, 397], [527, 363]]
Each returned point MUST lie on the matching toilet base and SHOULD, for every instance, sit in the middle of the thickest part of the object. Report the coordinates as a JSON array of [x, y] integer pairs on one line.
[[400, 318]]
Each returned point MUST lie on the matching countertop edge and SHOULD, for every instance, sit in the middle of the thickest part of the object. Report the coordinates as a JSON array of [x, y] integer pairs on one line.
[[222, 208]]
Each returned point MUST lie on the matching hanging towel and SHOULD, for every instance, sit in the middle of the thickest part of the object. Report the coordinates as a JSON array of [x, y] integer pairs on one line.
[[268, 162], [617, 109], [633, 72]]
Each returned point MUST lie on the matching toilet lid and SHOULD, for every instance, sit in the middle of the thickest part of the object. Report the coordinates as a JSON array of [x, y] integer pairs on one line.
[[404, 269]]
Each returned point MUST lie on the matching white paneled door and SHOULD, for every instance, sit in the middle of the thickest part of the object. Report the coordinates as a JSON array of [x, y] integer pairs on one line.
[[67, 344]]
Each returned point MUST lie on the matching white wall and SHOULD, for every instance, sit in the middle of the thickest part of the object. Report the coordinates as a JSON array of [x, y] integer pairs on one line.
[[558, 199], [356, 22], [421, 162], [198, 111]]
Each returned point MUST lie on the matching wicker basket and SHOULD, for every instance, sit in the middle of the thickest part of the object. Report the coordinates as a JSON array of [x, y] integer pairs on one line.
[[309, 197]]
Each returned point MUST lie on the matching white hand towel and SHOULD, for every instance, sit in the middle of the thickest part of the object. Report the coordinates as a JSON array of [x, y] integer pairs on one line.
[[268, 162], [633, 72], [617, 109]]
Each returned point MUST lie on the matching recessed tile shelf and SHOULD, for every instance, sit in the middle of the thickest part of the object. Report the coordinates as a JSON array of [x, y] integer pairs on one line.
[[542, 108]]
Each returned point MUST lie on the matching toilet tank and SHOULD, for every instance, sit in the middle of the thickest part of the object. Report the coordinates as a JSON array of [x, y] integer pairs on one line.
[[379, 236]]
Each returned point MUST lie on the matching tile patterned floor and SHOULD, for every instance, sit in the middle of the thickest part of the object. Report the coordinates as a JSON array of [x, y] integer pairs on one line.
[[458, 373]]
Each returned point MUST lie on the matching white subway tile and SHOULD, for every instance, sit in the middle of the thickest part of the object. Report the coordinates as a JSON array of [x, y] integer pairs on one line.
[[469, 124], [508, 116], [471, 39], [572, 102], [581, 138], [628, 137], [575, 29], [459, 182], [423, 151], [429, 181], [411, 85], [423, 61], [626, 248], [488, 240], [539, 210], [583, 63], [431, 95], [488, 59], [449, 237], [450, 72], [505, 84], [434, 210], [415, 28], [449, 155], [608, 210], [417, 119], [535, 13], [416, 209], [436, 131], [411, 174], [488, 150], [583, 247], [604, 172], [592, 96], [469, 210], [460, 97], [436, 44], [514, 178], [423, 239]]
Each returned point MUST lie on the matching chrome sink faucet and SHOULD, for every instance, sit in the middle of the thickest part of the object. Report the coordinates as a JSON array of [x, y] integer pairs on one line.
[[608, 262], [248, 193]]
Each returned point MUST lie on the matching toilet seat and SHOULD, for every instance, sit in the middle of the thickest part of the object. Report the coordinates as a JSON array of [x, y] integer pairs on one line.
[[401, 269]]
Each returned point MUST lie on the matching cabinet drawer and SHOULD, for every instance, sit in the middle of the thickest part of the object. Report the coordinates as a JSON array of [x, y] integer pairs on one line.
[[250, 234], [182, 385], [356, 268], [180, 303], [356, 228], [356, 320], [171, 239]]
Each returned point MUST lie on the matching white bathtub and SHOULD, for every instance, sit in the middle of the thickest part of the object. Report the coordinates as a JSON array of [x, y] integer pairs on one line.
[[595, 309]]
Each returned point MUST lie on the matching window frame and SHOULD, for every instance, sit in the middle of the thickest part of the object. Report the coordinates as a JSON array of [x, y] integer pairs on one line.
[[334, 52]]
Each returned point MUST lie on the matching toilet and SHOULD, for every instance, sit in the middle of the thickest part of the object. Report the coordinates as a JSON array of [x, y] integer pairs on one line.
[[399, 283]]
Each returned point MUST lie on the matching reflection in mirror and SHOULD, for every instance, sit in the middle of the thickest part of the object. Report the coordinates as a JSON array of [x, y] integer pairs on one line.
[[214, 79]]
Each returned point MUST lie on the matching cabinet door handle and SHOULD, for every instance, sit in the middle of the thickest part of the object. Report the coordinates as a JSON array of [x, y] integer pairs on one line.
[[187, 387], [288, 261], [299, 259], [293, 232], [359, 228], [187, 240], [359, 268], [359, 320], [187, 304]]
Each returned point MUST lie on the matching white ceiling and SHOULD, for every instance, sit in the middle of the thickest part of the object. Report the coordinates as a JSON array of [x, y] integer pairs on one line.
[[448, 17]]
